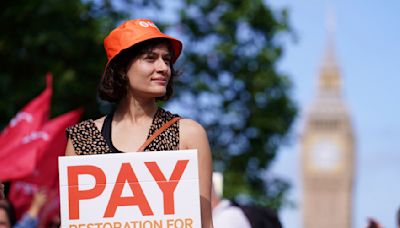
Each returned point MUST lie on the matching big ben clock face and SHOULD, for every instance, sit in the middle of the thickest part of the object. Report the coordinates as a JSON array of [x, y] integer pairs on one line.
[[325, 154]]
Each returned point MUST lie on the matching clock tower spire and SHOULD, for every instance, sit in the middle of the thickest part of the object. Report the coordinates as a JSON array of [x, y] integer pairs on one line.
[[327, 149], [329, 80]]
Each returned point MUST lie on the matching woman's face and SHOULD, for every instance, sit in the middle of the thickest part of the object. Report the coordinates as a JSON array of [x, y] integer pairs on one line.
[[4, 220], [149, 74]]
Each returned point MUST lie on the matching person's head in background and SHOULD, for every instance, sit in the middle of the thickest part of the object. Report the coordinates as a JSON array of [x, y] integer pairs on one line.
[[7, 217], [217, 188], [398, 218]]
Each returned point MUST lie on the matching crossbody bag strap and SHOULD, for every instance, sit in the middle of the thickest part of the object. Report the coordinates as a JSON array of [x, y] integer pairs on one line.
[[158, 132]]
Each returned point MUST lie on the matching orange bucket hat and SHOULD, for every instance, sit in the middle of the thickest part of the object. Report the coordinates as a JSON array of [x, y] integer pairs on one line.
[[132, 32]]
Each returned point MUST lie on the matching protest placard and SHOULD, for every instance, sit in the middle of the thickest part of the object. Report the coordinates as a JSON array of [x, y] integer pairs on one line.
[[137, 190]]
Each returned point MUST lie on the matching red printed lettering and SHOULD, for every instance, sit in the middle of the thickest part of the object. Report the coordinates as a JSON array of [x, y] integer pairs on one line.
[[126, 174], [167, 187], [75, 195]]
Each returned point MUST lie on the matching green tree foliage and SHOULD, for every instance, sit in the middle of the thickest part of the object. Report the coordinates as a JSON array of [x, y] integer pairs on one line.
[[63, 37], [230, 82], [231, 85]]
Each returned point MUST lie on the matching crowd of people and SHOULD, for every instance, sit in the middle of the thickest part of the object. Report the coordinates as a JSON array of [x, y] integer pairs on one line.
[[227, 213], [30, 219]]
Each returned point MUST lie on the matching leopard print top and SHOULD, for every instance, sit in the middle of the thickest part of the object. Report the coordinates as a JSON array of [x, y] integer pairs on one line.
[[88, 139]]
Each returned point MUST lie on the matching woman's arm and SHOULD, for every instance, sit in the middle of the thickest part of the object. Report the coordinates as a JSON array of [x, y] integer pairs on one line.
[[70, 151], [193, 136]]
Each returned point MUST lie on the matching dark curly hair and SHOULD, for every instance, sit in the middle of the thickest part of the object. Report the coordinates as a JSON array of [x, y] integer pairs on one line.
[[114, 83]]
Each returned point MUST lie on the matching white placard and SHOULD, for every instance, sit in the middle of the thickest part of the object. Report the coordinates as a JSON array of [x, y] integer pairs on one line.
[[130, 190]]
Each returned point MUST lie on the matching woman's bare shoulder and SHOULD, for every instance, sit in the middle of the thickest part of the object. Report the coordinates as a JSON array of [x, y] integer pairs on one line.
[[99, 122], [191, 127], [192, 134]]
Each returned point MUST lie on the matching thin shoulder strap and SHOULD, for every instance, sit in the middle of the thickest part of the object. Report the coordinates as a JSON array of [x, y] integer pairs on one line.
[[106, 132], [158, 132]]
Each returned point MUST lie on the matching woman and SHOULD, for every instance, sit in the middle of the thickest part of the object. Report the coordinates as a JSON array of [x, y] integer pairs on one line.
[[7, 217], [138, 73]]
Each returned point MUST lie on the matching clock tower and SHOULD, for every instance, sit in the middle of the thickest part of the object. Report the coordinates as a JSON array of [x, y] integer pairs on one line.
[[328, 152]]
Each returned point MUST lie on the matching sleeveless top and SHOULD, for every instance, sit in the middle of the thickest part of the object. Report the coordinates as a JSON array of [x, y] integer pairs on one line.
[[87, 139]]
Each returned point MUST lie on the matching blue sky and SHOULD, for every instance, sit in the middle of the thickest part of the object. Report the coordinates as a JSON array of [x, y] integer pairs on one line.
[[367, 48]]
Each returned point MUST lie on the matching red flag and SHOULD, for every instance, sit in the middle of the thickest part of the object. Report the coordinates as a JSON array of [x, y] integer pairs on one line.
[[45, 173], [21, 161], [29, 119]]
